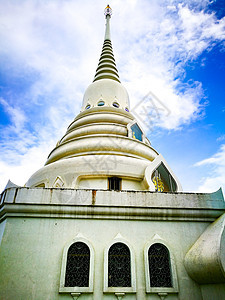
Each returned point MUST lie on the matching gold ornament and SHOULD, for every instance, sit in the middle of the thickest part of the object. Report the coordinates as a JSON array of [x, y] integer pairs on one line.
[[159, 185]]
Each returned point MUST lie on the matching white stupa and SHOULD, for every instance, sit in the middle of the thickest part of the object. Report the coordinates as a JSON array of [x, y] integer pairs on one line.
[[105, 147]]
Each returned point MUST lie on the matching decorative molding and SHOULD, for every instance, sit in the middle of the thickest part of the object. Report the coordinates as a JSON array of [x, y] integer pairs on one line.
[[59, 182], [119, 295], [162, 295], [99, 212], [156, 237], [44, 182], [80, 235], [118, 236], [11, 184], [75, 296]]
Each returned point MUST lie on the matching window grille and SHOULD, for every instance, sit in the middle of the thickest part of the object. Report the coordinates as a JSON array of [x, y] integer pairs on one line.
[[114, 184], [159, 266], [119, 266], [78, 265]]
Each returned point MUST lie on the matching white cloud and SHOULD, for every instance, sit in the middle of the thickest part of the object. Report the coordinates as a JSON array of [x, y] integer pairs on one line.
[[198, 30], [216, 171], [53, 48], [156, 54], [16, 115], [221, 138]]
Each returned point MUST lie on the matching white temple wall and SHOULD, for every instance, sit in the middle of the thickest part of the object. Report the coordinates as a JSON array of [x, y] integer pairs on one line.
[[2, 228], [102, 183], [35, 245]]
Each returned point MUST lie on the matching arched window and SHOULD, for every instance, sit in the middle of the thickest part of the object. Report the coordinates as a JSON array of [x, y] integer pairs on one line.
[[77, 272], [119, 266], [77, 265], [159, 266]]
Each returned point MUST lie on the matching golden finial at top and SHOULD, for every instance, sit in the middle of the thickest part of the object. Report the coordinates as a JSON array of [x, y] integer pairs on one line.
[[108, 11]]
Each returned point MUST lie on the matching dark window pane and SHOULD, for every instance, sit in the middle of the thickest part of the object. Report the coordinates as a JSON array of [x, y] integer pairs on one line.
[[115, 104], [101, 103], [119, 267], [114, 184], [159, 266], [162, 175], [136, 132], [78, 264]]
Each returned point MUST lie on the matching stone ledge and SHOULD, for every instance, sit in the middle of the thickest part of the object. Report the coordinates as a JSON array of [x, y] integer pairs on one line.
[[107, 212], [131, 199]]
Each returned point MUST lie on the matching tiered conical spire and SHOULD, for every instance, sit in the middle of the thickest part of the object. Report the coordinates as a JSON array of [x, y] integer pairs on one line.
[[107, 65]]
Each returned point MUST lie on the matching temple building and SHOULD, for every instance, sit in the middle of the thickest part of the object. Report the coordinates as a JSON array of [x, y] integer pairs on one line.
[[106, 217]]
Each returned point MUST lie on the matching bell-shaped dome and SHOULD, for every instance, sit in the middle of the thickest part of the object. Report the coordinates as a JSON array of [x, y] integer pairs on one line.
[[106, 92]]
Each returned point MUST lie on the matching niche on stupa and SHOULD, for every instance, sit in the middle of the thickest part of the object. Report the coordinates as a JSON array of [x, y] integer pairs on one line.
[[160, 178], [163, 180], [134, 131]]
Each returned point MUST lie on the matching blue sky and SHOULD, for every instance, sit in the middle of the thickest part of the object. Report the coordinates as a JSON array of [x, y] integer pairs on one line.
[[173, 49]]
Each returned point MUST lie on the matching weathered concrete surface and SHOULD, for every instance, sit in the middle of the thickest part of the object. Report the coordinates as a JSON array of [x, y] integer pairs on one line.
[[144, 199]]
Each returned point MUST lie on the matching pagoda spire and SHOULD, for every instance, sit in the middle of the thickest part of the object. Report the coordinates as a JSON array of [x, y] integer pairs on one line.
[[107, 66], [108, 13]]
